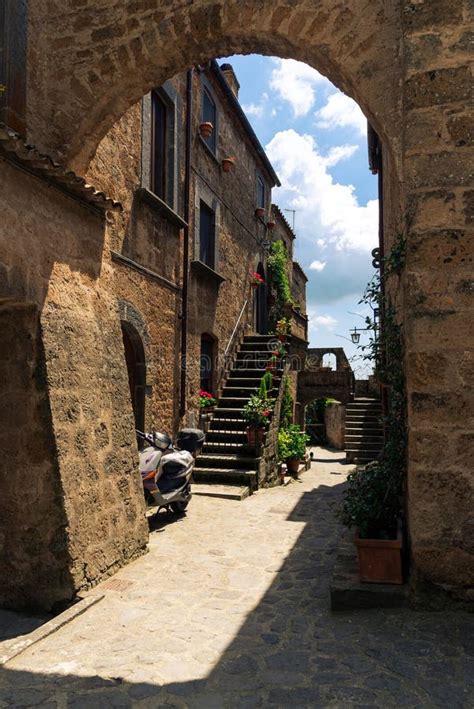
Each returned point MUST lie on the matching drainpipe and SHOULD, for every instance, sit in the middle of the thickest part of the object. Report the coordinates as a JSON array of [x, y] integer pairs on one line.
[[187, 202]]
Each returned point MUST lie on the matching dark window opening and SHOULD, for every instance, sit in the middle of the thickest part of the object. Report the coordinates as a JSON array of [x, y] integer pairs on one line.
[[209, 115], [207, 362], [260, 193], [136, 369], [159, 169], [207, 235]]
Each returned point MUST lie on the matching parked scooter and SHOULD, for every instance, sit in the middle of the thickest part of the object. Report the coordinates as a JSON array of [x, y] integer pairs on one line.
[[166, 470]]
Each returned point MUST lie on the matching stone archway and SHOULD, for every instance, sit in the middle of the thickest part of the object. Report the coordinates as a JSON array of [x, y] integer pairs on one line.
[[78, 82], [86, 81]]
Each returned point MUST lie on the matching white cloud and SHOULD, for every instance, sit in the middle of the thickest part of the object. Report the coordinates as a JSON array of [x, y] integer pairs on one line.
[[295, 82], [318, 265], [254, 109], [340, 152], [326, 321], [340, 111], [327, 211]]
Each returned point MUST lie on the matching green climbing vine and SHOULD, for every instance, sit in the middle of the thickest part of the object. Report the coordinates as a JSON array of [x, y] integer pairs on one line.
[[279, 280], [374, 497]]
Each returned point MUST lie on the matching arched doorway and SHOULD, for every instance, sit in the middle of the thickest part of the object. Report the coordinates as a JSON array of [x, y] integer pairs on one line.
[[136, 368], [261, 309]]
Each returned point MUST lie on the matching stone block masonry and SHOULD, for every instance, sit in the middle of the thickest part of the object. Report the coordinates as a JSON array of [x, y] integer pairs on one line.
[[409, 65], [74, 505]]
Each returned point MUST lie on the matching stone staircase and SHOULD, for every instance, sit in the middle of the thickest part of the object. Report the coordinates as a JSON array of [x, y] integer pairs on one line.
[[364, 430], [226, 457]]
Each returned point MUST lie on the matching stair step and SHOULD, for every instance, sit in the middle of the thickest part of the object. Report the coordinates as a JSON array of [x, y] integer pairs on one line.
[[225, 412], [259, 338], [224, 492], [226, 476], [232, 402], [245, 382], [220, 460], [241, 448], [227, 424], [239, 392], [216, 436], [364, 435], [247, 371], [363, 445], [253, 346]]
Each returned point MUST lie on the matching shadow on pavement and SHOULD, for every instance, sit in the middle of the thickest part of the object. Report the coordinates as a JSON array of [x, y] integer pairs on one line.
[[292, 651]]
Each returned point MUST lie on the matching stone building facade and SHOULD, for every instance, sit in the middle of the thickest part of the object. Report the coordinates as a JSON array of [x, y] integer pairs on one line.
[[136, 261], [79, 67]]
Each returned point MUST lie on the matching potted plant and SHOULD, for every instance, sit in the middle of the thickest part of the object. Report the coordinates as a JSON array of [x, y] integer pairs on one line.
[[272, 363], [256, 280], [257, 414], [292, 446], [205, 129], [373, 506], [207, 402], [283, 329], [271, 224], [228, 164], [260, 212]]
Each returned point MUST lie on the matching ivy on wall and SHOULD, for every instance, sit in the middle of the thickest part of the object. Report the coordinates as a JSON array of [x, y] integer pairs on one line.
[[374, 497], [278, 272]]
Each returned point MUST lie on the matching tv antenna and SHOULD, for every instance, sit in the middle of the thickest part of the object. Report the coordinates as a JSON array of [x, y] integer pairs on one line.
[[293, 212]]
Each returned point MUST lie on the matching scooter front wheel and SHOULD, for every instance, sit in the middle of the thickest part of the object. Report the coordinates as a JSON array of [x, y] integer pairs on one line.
[[179, 508]]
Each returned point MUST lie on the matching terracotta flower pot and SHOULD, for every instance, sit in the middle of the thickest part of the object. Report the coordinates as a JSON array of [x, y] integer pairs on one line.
[[293, 465], [254, 435], [260, 212], [380, 560], [206, 129], [228, 164]]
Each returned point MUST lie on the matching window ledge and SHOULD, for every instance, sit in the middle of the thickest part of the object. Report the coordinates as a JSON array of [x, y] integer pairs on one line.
[[202, 269], [210, 152], [161, 207]]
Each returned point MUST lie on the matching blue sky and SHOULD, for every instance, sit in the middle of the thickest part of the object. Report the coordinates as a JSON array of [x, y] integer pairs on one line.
[[315, 137]]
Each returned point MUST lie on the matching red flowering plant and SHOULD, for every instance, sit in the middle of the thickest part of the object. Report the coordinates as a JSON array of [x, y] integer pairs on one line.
[[256, 279], [257, 412], [206, 399]]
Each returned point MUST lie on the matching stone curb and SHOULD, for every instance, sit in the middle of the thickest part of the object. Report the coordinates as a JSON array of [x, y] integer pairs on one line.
[[17, 647]]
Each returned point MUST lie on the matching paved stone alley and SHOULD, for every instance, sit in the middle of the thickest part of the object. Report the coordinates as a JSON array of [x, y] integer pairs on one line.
[[231, 609]]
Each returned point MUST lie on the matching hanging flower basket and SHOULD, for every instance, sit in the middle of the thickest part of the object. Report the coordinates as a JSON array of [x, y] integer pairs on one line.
[[228, 164], [206, 129], [260, 212], [256, 280]]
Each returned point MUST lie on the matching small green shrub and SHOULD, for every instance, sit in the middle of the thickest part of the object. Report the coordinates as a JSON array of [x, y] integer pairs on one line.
[[373, 501], [292, 443]]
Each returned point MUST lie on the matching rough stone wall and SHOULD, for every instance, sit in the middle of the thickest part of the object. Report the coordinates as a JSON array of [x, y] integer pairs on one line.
[[143, 234], [438, 288], [80, 82], [82, 79], [215, 308], [335, 424], [34, 558], [89, 492]]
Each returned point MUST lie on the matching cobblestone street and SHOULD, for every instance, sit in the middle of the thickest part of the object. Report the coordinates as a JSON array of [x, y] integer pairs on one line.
[[231, 609]]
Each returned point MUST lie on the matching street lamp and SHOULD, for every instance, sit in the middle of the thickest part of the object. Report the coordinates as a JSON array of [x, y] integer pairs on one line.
[[355, 336]]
